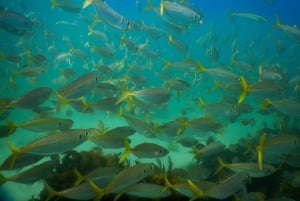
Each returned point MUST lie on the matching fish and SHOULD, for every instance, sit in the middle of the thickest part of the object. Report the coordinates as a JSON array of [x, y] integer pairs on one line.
[[187, 65], [178, 44], [285, 106], [108, 141], [99, 34], [46, 124], [260, 89], [173, 127], [180, 13], [188, 141], [270, 75], [210, 149], [184, 189], [151, 96], [31, 175], [250, 16], [66, 5], [113, 18], [15, 23], [222, 190], [31, 99], [23, 160], [146, 190], [52, 144], [203, 124], [140, 125], [293, 32], [277, 144], [219, 110], [124, 179], [79, 87], [143, 150], [123, 131], [252, 169], [104, 51]]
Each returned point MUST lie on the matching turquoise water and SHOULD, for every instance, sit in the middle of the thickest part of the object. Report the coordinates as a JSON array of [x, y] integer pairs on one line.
[[249, 47]]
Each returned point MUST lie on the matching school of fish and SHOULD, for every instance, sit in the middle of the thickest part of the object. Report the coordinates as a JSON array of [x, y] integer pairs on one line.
[[161, 86]]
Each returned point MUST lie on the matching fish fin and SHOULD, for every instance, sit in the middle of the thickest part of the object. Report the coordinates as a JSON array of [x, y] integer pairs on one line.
[[222, 165], [196, 152], [277, 23], [79, 177], [197, 191], [245, 90], [259, 150], [51, 192], [86, 3], [170, 39], [126, 152], [12, 126], [201, 102], [53, 4], [97, 190], [85, 104], [3, 179]]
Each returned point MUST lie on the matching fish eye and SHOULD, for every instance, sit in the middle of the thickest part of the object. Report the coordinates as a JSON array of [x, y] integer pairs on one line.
[[86, 133], [59, 124], [145, 171], [80, 136]]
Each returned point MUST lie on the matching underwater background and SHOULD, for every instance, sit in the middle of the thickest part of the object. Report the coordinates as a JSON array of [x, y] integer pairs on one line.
[[206, 85]]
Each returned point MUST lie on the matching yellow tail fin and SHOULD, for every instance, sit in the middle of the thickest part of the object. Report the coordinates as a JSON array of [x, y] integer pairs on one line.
[[259, 150], [245, 90], [126, 152]]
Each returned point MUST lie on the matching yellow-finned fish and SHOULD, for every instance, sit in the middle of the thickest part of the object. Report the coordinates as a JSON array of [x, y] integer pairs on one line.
[[124, 179], [54, 143], [143, 150], [46, 124], [250, 16]]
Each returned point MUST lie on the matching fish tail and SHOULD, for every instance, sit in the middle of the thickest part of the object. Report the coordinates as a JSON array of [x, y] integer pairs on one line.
[[2, 179], [149, 5], [124, 95], [196, 152], [201, 68], [197, 191], [222, 165], [265, 103], [126, 152], [183, 125], [53, 4], [86, 3], [79, 177], [97, 190], [162, 8], [51, 192], [12, 126], [167, 64], [15, 152], [245, 90], [259, 150], [168, 184], [85, 104], [277, 23]]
